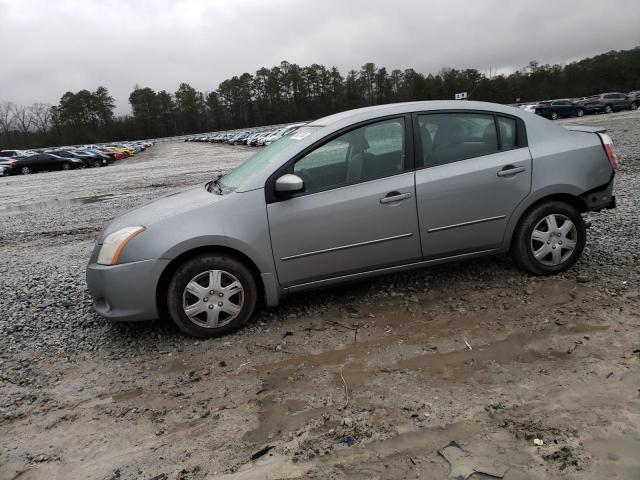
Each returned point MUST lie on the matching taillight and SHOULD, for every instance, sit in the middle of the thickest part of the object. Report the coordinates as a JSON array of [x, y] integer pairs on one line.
[[608, 148], [13, 164]]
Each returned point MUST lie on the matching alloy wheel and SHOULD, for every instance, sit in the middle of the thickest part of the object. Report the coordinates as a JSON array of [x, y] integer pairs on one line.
[[553, 240], [213, 298], [25, 170]]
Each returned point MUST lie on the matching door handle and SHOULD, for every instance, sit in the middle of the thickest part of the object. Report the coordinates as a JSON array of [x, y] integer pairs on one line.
[[510, 170], [395, 197]]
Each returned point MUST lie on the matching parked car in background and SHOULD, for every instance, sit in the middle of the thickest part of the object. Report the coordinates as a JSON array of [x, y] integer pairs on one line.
[[528, 107], [251, 138], [282, 132], [608, 102], [554, 109], [350, 196], [89, 159], [237, 138], [14, 153], [262, 138], [107, 157], [39, 162]]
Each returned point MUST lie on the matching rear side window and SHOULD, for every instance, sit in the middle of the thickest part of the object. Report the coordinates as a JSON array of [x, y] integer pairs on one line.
[[508, 132], [451, 137]]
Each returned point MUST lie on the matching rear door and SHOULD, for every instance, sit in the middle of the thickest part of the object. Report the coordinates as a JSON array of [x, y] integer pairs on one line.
[[358, 210], [37, 162], [473, 169]]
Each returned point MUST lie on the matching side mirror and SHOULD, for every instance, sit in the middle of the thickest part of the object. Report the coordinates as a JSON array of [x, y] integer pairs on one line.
[[289, 183]]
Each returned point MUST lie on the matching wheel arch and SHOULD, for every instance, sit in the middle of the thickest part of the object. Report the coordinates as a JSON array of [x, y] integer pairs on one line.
[[169, 270], [572, 199]]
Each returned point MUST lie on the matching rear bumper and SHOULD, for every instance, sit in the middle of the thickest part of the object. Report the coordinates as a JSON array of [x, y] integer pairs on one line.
[[600, 198], [125, 292]]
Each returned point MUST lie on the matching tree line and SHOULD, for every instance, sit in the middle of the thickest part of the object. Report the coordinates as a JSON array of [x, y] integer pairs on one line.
[[289, 92]]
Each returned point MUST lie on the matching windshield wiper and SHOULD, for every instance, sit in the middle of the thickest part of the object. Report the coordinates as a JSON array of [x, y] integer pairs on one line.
[[215, 183]]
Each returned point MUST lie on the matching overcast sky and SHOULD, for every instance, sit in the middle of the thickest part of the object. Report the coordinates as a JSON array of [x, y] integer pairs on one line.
[[48, 47]]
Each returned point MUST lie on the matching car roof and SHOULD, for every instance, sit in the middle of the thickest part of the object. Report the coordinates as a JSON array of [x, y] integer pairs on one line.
[[367, 113], [539, 130]]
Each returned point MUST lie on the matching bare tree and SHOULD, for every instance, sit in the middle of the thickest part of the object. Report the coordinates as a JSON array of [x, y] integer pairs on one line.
[[41, 116], [6, 117], [23, 118]]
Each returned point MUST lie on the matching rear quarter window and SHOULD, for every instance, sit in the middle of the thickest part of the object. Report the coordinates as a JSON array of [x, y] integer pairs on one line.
[[508, 132]]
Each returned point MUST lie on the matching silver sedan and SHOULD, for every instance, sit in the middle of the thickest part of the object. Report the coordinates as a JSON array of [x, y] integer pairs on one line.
[[353, 195]]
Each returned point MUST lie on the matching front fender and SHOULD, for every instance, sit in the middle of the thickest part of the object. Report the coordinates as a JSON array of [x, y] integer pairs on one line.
[[260, 255]]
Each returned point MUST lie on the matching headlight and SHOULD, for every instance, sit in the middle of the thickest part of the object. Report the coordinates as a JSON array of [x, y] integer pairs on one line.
[[115, 243]]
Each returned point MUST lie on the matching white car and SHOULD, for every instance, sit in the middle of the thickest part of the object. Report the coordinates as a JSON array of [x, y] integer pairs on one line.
[[529, 107], [283, 132]]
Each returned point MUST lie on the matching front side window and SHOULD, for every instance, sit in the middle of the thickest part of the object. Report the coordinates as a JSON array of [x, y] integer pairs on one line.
[[451, 137], [374, 151]]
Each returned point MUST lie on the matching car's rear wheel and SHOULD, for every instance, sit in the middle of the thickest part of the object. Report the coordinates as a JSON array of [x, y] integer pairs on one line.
[[554, 116], [66, 166], [211, 295], [549, 238], [608, 109], [634, 106], [25, 170], [580, 112]]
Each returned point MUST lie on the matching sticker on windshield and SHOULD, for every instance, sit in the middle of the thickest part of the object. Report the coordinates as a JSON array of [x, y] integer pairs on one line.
[[300, 134]]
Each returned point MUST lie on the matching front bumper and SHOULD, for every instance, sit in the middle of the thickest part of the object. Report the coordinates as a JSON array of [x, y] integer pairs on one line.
[[125, 292]]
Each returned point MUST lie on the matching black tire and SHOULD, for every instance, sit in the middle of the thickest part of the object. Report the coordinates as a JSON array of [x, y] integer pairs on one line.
[[200, 264], [580, 112], [96, 163], [634, 106], [608, 109], [25, 170], [554, 116], [522, 243], [66, 166]]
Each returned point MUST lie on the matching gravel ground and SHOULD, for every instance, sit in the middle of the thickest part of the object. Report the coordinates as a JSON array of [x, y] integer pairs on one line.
[[363, 381]]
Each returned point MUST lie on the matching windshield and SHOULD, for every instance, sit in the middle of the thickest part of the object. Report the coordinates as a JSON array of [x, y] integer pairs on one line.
[[258, 162]]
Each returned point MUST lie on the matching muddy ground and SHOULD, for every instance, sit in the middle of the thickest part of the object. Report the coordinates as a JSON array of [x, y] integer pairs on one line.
[[363, 381]]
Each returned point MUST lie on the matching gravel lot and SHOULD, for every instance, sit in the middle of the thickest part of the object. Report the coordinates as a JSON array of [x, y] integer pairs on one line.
[[361, 382]]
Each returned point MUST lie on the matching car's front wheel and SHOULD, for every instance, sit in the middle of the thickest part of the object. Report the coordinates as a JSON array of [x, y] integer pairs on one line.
[[580, 112], [554, 116], [211, 295], [634, 106], [608, 109], [549, 238], [25, 170]]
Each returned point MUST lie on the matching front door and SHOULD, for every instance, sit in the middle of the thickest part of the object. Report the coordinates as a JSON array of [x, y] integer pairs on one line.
[[476, 170], [357, 211]]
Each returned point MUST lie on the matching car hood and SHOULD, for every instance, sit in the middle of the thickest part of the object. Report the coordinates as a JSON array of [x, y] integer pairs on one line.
[[155, 211]]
